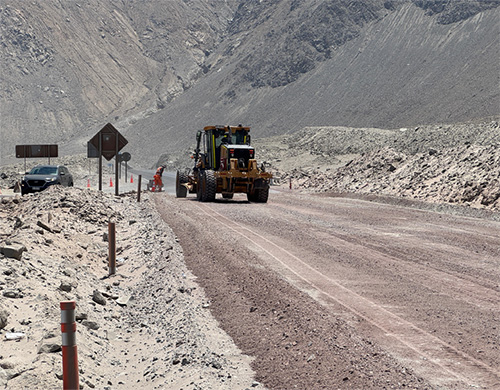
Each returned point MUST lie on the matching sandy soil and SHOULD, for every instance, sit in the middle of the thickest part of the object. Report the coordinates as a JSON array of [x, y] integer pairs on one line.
[[147, 326]]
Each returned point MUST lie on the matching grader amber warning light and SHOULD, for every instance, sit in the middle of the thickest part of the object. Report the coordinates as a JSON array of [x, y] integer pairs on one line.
[[224, 163]]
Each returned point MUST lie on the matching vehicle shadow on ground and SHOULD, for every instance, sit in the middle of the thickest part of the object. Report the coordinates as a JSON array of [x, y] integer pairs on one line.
[[217, 200]]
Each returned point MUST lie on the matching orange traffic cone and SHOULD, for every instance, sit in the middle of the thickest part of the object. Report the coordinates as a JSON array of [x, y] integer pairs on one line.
[[131, 178], [110, 182], [88, 183]]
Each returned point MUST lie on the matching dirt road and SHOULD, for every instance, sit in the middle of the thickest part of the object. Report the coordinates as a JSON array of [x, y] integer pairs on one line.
[[336, 292]]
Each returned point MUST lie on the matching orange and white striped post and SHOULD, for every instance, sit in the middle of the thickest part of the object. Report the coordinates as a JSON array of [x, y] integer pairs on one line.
[[69, 353]]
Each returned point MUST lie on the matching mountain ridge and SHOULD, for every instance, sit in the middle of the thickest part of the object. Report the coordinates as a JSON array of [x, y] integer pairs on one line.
[[162, 70], [381, 79]]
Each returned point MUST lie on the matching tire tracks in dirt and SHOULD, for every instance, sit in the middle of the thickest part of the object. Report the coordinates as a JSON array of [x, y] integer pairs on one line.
[[432, 354], [372, 274]]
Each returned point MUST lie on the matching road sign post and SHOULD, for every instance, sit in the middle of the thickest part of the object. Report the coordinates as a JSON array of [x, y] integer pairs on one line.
[[126, 158], [139, 188], [108, 141]]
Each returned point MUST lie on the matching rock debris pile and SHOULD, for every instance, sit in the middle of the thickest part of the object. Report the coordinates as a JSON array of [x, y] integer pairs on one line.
[[147, 326], [467, 176], [457, 164]]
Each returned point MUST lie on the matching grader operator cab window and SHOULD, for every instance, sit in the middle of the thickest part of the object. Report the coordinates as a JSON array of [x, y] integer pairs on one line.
[[221, 137], [240, 137], [212, 138]]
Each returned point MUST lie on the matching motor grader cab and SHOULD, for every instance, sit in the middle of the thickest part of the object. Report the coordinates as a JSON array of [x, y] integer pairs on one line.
[[224, 163]]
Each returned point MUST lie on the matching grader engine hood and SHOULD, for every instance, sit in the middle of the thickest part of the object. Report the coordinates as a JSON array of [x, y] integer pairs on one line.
[[241, 153]]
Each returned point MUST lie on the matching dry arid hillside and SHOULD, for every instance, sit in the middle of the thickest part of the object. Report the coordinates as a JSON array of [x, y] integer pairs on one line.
[[69, 66], [159, 70]]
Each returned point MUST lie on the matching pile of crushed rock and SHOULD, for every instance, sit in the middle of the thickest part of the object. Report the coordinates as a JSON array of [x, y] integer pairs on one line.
[[456, 164], [467, 176], [146, 326]]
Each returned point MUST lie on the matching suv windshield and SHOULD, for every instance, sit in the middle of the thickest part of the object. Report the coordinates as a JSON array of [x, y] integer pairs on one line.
[[44, 171]]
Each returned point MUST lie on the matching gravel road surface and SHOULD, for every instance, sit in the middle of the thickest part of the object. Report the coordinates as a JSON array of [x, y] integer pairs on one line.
[[339, 292]]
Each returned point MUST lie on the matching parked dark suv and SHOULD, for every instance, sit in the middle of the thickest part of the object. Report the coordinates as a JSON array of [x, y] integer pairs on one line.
[[43, 176]]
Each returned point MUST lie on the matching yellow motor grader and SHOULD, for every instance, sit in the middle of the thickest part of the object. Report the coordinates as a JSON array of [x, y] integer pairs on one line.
[[224, 164]]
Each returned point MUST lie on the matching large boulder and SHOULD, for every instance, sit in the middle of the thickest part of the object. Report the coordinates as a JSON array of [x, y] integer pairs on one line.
[[12, 250]]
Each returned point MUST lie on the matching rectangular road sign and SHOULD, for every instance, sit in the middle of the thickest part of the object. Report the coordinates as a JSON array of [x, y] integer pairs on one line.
[[36, 151]]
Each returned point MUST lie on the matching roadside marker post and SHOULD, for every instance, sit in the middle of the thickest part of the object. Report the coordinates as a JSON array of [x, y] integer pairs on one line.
[[112, 248], [139, 188], [69, 349]]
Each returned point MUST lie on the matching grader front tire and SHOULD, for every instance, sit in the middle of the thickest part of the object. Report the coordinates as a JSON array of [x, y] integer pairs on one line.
[[180, 189]]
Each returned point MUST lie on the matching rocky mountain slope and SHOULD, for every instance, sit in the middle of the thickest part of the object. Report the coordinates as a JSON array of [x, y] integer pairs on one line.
[[405, 69], [70, 66], [161, 70]]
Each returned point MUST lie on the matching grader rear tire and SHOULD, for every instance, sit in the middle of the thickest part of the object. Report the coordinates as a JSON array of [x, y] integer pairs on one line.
[[262, 194], [207, 186], [259, 195]]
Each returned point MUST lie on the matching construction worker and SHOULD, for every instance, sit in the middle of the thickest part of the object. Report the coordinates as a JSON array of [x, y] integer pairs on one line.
[[157, 178]]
